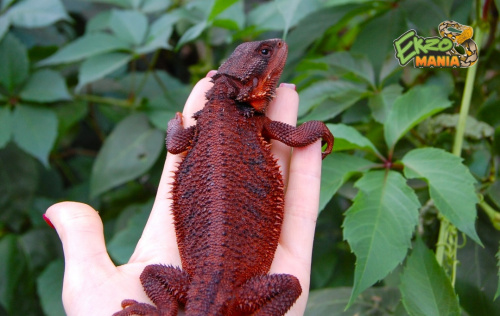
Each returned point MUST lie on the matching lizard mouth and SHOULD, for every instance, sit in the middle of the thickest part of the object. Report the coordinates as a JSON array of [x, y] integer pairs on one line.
[[265, 87]]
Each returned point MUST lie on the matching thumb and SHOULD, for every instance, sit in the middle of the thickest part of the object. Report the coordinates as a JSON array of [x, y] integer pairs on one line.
[[81, 232]]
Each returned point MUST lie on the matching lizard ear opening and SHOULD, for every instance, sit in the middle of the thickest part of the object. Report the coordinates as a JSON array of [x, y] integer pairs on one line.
[[259, 105], [258, 92]]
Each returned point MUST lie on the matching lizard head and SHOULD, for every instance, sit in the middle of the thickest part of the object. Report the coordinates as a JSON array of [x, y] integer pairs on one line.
[[255, 68]]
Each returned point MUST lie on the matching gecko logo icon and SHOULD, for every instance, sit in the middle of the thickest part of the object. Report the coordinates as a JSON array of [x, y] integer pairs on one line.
[[438, 52]]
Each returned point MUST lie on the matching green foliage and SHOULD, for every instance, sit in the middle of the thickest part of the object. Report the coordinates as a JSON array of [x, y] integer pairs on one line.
[[15, 69], [49, 282], [84, 102], [30, 14], [425, 288], [374, 301], [379, 226], [410, 109], [129, 151], [446, 176], [498, 288], [34, 130]]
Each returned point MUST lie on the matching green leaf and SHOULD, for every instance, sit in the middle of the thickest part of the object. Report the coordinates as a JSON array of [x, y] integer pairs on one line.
[[35, 131], [121, 3], [130, 26], [13, 265], [232, 18], [5, 4], [477, 273], [122, 245], [45, 86], [128, 152], [218, 7], [383, 29], [154, 86], [6, 124], [381, 103], [379, 226], [333, 106], [336, 170], [192, 33], [317, 93], [410, 109], [150, 6], [18, 178], [161, 110], [287, 10], [49, 286], [424, 13], [135, 3], [473, 128], [37, 13], [446, 175], [498, 265], [4, 25], [332, 301], [425, 288], [358, 65], [15, 62], [312, 27], [97, 67], [84, 47], [347, 138], [159, 33], [98, 22], [267, 16], [341, 95]]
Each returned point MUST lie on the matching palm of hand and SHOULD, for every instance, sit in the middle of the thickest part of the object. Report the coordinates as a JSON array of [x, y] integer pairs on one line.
[[94, 285]]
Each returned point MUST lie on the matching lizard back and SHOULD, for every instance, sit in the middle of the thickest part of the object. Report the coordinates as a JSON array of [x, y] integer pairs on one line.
[[227, 200]]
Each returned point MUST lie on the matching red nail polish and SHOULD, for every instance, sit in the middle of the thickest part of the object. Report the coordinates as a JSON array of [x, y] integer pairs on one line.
[[288, 85], [47, 220]]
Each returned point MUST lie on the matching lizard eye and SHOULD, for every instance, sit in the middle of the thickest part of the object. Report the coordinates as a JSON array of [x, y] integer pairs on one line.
[[265, 51]]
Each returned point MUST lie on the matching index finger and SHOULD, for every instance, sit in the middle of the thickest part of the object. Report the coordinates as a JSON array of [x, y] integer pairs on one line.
[[158, 242], [283, 108]]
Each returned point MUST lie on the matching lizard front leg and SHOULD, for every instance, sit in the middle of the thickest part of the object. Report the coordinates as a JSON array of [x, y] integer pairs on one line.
[[303, 135], [166, 286], [268, 295], [178, 138]]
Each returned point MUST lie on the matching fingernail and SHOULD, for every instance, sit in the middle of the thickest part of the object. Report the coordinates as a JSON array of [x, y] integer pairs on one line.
[[288, 85], [47, 220], [211, 73]]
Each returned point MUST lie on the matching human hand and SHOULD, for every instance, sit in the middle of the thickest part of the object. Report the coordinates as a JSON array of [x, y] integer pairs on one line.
[[93, 285]]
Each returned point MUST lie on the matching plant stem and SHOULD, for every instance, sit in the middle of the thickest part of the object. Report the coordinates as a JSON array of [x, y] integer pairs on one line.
[[464, 108], [492, 214], [442, 240], [446, 239]]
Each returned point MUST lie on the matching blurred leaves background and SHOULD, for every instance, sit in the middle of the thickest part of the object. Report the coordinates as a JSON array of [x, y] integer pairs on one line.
[[87, 88]]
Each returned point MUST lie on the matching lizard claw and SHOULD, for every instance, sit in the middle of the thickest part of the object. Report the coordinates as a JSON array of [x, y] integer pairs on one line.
[[178, 117], [131, 307], [127, 303]]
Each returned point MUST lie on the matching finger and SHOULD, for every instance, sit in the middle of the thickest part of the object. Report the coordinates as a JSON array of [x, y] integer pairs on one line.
[[283, 108], [302, 202], [158, 242], [294, 252], [81, 232], [195, 102]]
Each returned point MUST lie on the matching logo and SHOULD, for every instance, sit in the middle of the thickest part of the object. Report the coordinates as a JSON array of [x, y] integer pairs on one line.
[[438, 52]]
